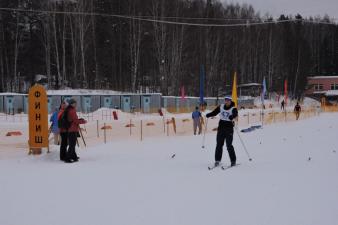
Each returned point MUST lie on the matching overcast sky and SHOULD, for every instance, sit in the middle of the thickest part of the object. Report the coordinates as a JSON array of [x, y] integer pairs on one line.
[[304, 7]]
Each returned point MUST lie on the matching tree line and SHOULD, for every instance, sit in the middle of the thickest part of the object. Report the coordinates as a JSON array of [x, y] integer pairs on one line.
[[121, 45]]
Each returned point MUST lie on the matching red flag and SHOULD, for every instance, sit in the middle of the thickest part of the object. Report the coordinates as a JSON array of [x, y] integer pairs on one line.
[[286, 92]]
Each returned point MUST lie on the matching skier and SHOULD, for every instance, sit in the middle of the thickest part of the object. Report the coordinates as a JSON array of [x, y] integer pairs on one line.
[[54, 127], [225, 130], [197, 116], [73, 131], [63, 132], [297, 110], [282, 105]]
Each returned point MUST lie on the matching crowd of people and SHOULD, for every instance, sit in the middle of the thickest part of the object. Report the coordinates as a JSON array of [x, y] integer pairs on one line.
[[65, 128]]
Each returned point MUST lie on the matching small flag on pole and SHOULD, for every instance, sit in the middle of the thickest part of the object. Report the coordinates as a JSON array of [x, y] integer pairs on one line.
[[234, 90], [286, 91]]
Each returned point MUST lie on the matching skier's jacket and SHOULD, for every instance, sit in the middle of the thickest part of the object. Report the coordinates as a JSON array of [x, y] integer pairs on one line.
[[73, 119], [227, 114]]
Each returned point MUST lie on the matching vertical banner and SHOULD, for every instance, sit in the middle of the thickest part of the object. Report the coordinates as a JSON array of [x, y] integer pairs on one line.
[[202, 78], [38, 118], [286, 92], [182, 93], [234, 90]]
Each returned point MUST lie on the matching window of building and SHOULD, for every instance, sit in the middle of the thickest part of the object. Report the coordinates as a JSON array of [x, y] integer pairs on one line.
[[318, 87], [334, 86]]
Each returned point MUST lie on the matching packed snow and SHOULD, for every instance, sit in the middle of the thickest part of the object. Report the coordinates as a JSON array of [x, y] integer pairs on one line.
[[163, 180]]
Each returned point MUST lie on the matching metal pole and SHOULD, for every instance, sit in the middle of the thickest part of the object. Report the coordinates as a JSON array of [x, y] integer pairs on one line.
[[247, 153], [205, 130], [82, 137]]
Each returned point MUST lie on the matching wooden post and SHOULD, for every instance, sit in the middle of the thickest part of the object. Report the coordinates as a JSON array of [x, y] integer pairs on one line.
[[248, 118], [97, 128], [163, 124], [141, 131], [167, 128], [104, 133], [130, 127]]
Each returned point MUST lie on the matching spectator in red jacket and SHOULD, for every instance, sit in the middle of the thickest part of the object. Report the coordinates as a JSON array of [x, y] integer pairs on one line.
[[73, 131]]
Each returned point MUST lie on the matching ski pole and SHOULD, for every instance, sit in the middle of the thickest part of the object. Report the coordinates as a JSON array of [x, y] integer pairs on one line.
[[205, 130], [247, 153], [82, 137]]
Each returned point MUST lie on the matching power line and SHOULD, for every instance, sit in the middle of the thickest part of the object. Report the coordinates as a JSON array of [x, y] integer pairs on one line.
[[163, 21]]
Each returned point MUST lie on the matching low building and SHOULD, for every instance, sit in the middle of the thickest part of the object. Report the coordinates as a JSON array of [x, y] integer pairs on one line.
[[319, 85]]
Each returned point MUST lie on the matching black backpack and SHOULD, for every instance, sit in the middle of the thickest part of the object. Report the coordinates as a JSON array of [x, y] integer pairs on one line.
[[63, 122]]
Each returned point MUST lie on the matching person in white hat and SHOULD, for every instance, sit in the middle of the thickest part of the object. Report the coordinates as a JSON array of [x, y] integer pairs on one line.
[[225, 132]]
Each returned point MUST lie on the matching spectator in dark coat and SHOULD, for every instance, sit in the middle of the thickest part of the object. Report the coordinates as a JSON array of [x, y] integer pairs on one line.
[[297, 110]]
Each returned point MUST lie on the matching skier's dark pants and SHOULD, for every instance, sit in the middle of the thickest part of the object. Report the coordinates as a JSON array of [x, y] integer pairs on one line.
[[226, 135], [71, 154], [64, 144]]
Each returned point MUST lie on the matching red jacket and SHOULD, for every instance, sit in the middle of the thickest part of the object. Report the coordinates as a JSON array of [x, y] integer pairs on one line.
[[75, 121], [61, 130]]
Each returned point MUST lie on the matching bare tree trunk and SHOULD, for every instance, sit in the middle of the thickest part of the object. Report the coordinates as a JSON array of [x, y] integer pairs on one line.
[[64, 75], [16, 55], [2, 51], [56, 47], [297, 73], [134, 42], [160, 36], [97, 77]]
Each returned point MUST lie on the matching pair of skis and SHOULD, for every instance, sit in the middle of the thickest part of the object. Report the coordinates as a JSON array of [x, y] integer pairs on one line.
[[222, 167]]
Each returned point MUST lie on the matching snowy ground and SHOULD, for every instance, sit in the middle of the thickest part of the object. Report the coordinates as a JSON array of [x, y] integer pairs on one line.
[[131, 183]]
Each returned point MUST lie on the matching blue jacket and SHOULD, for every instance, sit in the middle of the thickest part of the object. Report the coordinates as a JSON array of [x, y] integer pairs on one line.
[[54, 120], [196, 114]]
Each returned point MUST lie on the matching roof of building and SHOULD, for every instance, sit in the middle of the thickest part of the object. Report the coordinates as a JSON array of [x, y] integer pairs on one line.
[[250, 85], [331, 93], [323, 77]]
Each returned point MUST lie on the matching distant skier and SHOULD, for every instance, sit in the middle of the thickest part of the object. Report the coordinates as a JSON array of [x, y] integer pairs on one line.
[[197, 116], [54, 127], [297, 110], [282, 104], [225, 130]]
